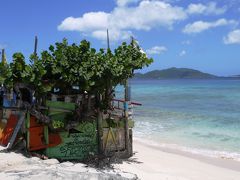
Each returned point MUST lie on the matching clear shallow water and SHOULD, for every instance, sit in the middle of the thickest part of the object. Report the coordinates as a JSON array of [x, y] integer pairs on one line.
[[200, 116]]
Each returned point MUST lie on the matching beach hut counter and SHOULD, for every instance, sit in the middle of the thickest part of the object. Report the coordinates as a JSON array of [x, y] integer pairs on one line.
[[68, 126]]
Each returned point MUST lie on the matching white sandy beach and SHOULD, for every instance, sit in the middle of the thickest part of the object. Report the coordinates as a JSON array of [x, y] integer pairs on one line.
[[147, 163], [152, 163]]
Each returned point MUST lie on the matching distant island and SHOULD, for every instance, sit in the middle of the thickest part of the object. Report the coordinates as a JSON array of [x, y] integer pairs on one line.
[[179, 73]]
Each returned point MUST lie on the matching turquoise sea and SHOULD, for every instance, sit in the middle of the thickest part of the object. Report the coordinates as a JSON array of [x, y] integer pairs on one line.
[[198, 116]]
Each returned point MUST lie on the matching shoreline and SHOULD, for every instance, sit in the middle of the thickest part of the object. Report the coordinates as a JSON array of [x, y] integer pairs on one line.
[[188, 150], [151, 162], [148, 162], [223, 162]]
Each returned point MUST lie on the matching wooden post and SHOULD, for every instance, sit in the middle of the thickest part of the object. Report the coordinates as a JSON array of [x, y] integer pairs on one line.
[[126, 128], [108, 94], [3, 56], [35, 47], [28, 131], [108, 44], [99, 126]]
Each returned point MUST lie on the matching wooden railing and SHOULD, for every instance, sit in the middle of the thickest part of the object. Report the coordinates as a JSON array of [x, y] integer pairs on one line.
[[119, 104]]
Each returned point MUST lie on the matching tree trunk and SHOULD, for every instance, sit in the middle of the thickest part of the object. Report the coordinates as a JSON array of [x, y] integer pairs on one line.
[[99, 125]]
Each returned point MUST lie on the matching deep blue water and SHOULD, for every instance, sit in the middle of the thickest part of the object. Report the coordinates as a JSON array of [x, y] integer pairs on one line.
[[202, 116]]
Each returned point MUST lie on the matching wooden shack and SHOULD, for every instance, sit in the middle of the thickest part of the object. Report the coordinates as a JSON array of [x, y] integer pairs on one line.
[[49, 130], [63, 104]]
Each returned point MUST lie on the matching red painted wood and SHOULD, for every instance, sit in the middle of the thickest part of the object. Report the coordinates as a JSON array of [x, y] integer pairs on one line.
[[8, 130]]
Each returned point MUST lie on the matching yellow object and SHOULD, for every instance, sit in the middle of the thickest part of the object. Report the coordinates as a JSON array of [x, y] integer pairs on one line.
[[113, 138], [2, 126]]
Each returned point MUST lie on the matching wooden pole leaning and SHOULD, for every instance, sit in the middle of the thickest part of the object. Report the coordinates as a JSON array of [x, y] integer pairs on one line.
[[126, 128]]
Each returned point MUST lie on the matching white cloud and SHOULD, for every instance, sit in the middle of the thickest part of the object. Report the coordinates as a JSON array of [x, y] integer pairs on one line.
[[233, 37], [125, 2], [210, 8], [114, 34], [182, 53], [88, 22], [145, 16], [130, 15], [200, 26], [156, 50]]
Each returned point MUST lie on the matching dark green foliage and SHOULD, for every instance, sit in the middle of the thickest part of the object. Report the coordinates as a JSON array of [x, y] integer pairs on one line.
[[10, 74], [33, 75], [92, 71], [17, 66], [64, 66]]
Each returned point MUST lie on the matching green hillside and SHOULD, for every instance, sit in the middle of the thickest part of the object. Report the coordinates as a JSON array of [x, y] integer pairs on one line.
[[175, 73]]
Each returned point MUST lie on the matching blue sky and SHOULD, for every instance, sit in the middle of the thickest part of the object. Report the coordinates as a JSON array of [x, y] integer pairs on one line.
[[203, 35]]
